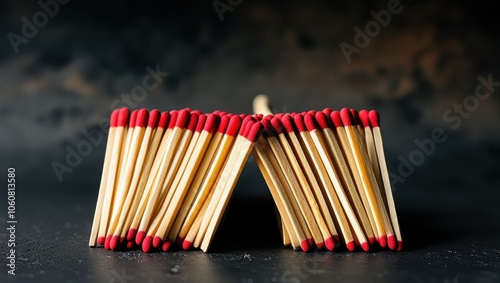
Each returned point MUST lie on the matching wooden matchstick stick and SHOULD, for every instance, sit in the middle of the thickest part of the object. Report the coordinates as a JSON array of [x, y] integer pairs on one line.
[[375, 124], [102, 188], [370, 146], [122, 122]]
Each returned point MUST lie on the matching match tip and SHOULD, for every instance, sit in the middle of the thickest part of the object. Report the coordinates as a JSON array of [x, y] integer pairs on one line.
[[123, 117], [234, 126], [189, 122], [186, 245], [372, 240], [130, 245], [164, 119], [287, 121], [400, 246], [327, 111], [131, 234], [114, 242], [133, 119], [173, 119], [211, 123], [224, 121], [114, 118], [139, 238], [107, 242], [166, 246], [365, 246], [330, 244], [202, 120], [336, 238], [363, 116], [310, 122], [299, 122], [142, 118], [320, 245], [351, 246], [254, 133], [382, 241], [311, 242], [374, 118], [322, 120], [304, 245], [391, 242], [101, 240], [346, 116], [277, 125], [337, 121], [157, 242], [146, 245], [154, 115], [355, 116]]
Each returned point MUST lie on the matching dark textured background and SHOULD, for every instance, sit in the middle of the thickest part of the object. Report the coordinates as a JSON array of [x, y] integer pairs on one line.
[[428, 59]]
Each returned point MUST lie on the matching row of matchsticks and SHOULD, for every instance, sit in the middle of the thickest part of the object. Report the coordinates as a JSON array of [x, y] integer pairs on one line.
[[168, 177]]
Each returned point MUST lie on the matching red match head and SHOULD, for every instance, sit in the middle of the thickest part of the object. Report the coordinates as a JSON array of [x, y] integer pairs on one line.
[[363, 116], [192, 122], [244, 125], [299, 122], [355, 116], [183, 118], [310, 122], [322, 120], [133, 119], [255, 132], [335, 118], [346, 116], [202, 119], [277, 125], [211, 123], [267, 128], [224, 122], [123, 117], [374, 118], [327, 111], [173, 118], [114, 118], [142, 118], [154, 117], [234, 126], [287, 121], [164, 119]]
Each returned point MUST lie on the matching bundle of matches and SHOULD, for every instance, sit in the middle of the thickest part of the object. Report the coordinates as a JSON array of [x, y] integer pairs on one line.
[[327, 174], [167, 177]]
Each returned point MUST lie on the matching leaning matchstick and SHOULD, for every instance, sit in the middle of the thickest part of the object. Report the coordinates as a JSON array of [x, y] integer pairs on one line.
[[375, 124], [102, 188], [236, 167], [370, 145], [119, 134]]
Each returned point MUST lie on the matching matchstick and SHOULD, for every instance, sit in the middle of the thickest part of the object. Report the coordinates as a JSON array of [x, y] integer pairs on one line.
[[102, 188], [375, 124], [122, 121], [370, 145]]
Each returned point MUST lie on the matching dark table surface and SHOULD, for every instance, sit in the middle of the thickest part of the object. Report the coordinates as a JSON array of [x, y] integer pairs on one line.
[[449, 237]]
